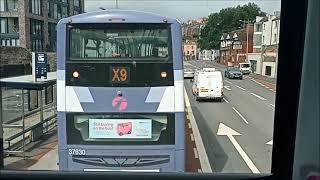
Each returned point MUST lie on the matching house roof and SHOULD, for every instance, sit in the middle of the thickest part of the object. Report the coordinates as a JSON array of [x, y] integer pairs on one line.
[[277, 18], [224, 36], [240, 33], [264, 19]]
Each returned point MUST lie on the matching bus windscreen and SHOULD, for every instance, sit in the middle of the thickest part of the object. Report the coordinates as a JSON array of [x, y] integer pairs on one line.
[[120, 42]]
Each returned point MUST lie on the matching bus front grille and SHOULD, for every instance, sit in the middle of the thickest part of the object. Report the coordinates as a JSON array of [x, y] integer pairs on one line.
[[121, 161]]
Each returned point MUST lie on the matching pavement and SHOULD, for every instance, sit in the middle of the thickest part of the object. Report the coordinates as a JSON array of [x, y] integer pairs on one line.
[[237, 133], [40, 154], [52, 157]]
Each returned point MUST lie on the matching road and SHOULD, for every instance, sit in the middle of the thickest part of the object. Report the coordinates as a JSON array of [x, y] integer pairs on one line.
[[245, 118]]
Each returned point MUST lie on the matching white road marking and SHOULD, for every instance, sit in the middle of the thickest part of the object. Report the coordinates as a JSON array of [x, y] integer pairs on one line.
[[189, 125], [227, 131], [192, 137], [190, 64], [227, 88], [204, 160], [257, 96], [228, 81], [272, 105], [240, 115], [225, 100], [240, 88], [270, 142], [195, 153]]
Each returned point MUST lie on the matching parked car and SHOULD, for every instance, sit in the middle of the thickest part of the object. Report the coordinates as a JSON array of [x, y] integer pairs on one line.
[[233, 73], [188, 73]]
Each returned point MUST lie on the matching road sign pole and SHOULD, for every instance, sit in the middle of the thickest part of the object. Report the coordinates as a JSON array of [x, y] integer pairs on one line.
[[34, 78]]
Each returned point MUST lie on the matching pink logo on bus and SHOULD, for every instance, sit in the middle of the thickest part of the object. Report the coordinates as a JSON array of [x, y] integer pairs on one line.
[[120, 102], [124, 128]]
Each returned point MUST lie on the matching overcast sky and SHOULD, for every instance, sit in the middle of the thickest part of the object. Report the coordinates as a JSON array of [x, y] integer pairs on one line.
[[182, 9]]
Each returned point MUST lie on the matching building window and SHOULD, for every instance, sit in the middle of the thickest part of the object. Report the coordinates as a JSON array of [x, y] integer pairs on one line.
[[52, 35], [268, 71], [77, 9], [258, 28], [188, 52], [8, 5], [276, 24], [9, 42], [275, 38], [191, 47], [76, 3], [3, 25], [2, 5], [262, 39], [58, 9], [35, 7], [36, 35], [64, 11]]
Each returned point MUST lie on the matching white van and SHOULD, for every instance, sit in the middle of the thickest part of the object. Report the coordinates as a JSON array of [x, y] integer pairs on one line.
[[209, 69], [245, 68], [208, 85]]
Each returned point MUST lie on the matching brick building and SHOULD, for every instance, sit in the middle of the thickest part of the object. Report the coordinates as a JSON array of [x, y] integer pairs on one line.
[[233, 46], [191, 29], [190, 50], [31, 24]]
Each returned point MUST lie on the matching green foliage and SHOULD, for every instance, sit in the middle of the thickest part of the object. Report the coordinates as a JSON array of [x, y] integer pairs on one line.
[[226, 20]]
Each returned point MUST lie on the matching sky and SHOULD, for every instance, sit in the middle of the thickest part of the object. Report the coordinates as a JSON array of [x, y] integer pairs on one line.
[[181, 9]]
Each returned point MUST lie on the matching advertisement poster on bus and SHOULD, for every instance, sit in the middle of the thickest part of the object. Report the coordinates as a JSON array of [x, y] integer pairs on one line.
[[120, 128]]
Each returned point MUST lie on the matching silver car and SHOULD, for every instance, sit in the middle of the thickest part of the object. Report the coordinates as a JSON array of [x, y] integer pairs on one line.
[[188, 73]]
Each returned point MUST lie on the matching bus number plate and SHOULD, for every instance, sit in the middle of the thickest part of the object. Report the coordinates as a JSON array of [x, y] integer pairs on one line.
[[119, 75], [77, 152]]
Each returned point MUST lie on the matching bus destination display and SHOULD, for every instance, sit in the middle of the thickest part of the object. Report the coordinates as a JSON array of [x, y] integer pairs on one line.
[[119, 75]]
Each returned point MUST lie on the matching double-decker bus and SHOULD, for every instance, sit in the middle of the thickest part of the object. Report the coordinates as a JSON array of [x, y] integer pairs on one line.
[[120, 92]]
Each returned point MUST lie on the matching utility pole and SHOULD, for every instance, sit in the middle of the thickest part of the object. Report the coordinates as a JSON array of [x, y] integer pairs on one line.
[[247, 32], [247, 40]]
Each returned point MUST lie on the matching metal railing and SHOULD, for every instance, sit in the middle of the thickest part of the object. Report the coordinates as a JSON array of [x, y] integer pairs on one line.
[[41, 127]]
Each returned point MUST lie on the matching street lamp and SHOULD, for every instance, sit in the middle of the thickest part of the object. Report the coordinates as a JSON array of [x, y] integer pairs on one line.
[[247, 30]]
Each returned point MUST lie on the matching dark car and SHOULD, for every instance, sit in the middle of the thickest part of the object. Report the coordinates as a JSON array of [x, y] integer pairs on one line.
[[233, 73]]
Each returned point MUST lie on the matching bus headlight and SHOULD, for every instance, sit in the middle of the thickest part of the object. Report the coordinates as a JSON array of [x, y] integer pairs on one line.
[[75, 74], [163, 74]]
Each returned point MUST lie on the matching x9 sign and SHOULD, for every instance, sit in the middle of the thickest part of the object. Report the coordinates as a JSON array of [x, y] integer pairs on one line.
[[119, 75]]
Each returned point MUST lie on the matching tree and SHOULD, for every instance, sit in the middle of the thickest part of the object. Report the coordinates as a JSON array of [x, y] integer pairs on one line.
[[226, 20]]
